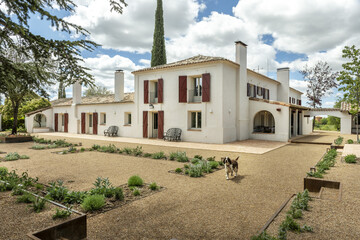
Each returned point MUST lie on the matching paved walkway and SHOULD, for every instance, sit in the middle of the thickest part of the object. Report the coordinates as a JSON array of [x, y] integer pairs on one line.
[[247, 146]]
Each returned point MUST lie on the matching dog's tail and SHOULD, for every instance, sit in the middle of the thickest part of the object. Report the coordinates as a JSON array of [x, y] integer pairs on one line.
[[235, 160]]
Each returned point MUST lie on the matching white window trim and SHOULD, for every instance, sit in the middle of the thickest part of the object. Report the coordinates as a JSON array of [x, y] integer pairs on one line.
[[196, 121], [103, 118], [126, 119]]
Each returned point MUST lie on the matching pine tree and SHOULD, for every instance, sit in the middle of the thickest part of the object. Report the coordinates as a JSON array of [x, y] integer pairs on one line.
[[158, 52]]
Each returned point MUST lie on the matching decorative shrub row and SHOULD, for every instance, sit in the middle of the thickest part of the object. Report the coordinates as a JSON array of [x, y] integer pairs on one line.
[[51, 144], [351, 158], [328, 161], [299, 204], [198, 166]]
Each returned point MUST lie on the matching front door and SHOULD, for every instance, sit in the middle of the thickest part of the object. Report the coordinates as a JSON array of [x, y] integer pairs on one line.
[[154, 125], [90, 124]]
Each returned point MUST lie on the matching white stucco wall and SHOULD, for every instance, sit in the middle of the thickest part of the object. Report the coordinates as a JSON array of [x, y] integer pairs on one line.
[[265, 83], [281, 121], [29, 120], [294, 94]]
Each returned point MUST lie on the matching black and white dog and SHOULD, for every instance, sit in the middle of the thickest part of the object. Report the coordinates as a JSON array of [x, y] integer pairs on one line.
[[230, 166]]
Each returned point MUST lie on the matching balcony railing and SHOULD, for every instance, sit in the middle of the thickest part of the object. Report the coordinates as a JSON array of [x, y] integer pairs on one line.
[[193, 98], [153, 97]]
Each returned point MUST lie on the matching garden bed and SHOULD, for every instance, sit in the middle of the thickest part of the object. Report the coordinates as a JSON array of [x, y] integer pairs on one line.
[[185, 171], [15, 138], [42, 144]]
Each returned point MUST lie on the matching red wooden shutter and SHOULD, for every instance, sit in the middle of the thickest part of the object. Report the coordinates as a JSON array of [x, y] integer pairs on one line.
[[300, 102], [289, 99], [263, 92], [146, 91], [248, 89], [206, 87], [160, 90], [66, 124], [56, 128], [145, 124], [182, 89], [83, 124], [161, 124], [254, 95], [95, 123]]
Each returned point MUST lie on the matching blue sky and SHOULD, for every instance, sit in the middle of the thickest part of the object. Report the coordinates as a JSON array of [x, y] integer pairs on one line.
[[275, 38]]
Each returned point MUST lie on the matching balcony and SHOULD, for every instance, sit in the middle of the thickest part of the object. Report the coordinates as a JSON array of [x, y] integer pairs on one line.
[[153, 97], [193, 98]]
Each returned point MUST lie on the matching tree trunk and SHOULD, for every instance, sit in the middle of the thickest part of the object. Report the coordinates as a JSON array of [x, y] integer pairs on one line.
[[15, 123]]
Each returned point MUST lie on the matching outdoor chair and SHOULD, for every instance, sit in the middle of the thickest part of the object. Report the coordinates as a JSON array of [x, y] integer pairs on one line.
[[173, 134], [111, 131]]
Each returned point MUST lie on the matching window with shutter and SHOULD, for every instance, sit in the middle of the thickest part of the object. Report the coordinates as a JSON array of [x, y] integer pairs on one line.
[[95, 123], [206, 87], [160, 90], [66, 126], [248, 89], [145, 124], [267, 94], [83, 126], [254, 91], [56, 127], [161, 124]]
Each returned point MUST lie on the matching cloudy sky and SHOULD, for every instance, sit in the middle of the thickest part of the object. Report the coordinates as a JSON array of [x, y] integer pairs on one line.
[[279, 33]]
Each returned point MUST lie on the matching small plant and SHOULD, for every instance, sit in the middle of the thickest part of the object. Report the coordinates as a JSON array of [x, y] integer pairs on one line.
[[213, 164], [17, 191], [57, 191], [351, 158], [61, 213], [221, 163], [186, 172], [195, 160], [350, 141], [24, 157], [38, 147], [136, 192], [186, 166], [3, 171], [95, 147], [103, 186], [135, 181], [158, 155], [263, 236], [75, 197], [25, 198], [315, 174], [147, 155], [38, 204], [127, 150], [82, 149], [210, 159], [339, 140], [198, 157], [93, 202], [12, 156], [178, 170], [153, 186], [119, 195], [137, 151], [195, 171]]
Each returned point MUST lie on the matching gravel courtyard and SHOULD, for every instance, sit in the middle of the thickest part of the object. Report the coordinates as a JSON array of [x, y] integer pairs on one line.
[[189, 208]]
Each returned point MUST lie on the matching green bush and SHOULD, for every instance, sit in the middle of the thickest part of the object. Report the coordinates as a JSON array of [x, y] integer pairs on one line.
[[138, 151], [172, 156], [136, 192], [17, 191], [95, 147], [195, 171], [213, 164], [211, 159], [24, 157], [186, 166], [38, 147], [195, 160], [82, 149], [198, 157], [263, 236], [339, 140], [39, 186], [61, 213], [93, 202], [3, 171], [103, 187], [158, 155], [38, 204], [119, 195], [127, 150], [135, 181], [350, 141], [75, 197], [221, 163], [187, 172], [350, 158], [178, 170], [315, 174], [109, 149], [57, 191], [25, 198], [12, 156], [153, 186], [147, 155]]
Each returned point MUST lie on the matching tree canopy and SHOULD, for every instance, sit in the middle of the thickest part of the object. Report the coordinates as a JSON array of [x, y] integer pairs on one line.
[[96, 90], [158, 52], [320, 80]]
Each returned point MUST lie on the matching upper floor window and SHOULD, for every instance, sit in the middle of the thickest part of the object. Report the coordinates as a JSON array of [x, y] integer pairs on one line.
[[153, 92], [198, 86], [90, 120], [62, 119], [195, 91]]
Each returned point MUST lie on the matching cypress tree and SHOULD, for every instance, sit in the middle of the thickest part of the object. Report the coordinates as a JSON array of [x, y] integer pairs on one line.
[[158, 52]]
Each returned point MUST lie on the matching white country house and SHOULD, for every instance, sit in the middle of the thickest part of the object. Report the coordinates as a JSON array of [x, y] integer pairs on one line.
[[211, 99]]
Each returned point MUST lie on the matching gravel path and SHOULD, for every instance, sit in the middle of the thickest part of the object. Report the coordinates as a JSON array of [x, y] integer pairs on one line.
[[189, 208]]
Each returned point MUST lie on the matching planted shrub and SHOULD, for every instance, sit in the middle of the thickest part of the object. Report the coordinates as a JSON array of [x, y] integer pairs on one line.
[[93, 202], [137, 151], [109, 149], [263, 236], [328, 161], [38, 147], [211, 159], [136, 192], [339, 140], [186, 172], [127, 150], [82, 149], [147, 155], [186, 166], [25, 198], [198, 157], [153, 186], [213, 164], [57, 191], [350, 141], [172, 156], [195, 160], [75, 197], [12, 156], [38, 204], [350, 158], [119, 195], [221, 163], [95, 147], [24, 157], [104, 187], [158, 155], [17, 191], [195, 171], [178, 170], [135, 181], [61, 213], [3, 171]]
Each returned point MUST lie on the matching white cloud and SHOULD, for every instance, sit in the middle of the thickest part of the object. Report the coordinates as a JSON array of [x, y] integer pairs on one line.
[[133, 30], [300, 85]]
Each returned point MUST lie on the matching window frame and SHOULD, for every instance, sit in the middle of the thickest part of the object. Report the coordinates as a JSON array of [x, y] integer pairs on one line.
[[127, 119], [198, 120], [103, 118]]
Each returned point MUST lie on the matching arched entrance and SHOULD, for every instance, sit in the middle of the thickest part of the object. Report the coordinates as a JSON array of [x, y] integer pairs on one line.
[[39, 121], [264, 122]]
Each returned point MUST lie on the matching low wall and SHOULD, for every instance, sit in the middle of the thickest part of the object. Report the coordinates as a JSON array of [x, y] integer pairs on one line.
[[315, 184], [41, 130], [74, 229]]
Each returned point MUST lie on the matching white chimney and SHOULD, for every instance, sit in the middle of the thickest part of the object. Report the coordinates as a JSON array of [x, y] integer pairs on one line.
[[242, 98], [283, 76], [119, 85], [76, 93]]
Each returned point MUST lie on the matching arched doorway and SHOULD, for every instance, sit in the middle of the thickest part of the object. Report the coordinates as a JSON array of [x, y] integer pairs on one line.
[[264, 122], [39, 121]]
